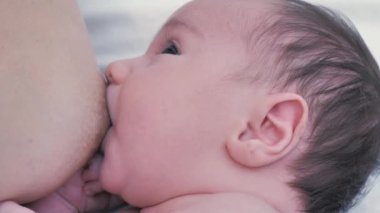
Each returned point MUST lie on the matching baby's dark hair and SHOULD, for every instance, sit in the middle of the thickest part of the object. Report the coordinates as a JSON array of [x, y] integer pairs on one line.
[[324, 57]]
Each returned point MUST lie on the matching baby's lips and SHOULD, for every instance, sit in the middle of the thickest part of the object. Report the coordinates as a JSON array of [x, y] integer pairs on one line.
[[104, 142]]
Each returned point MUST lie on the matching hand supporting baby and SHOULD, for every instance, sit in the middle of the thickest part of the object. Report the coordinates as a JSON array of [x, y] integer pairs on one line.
[[12, 207], [81, 193]]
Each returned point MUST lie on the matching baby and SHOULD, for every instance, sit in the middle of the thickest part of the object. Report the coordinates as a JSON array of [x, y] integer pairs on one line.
[[244, 106]]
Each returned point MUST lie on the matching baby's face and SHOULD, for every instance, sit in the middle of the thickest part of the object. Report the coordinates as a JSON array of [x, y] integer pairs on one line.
[[173, 107]]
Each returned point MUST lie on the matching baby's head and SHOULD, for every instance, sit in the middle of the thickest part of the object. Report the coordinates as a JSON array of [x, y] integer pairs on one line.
[[273, 98]]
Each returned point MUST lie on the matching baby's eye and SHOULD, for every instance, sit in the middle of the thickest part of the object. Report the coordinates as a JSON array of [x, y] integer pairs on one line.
[[171, 49]]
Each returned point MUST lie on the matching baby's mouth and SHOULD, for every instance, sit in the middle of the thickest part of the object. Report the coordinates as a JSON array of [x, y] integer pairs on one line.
[[106, 138]]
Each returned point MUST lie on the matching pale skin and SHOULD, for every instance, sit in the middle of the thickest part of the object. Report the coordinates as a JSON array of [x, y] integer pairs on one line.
[[53, 110], [186, 137]]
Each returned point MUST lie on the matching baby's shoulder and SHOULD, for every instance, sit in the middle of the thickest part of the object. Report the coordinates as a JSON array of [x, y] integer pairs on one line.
[[234, 202], [210, 203]]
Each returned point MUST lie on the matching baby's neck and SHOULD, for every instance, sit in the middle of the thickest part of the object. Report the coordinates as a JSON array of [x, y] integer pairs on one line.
[[217, 202]]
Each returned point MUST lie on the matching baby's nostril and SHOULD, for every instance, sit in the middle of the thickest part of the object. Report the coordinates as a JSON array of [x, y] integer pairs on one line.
[[109, 78], [105, 78]]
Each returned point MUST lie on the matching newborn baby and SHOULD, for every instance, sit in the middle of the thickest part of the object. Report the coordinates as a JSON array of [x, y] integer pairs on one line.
[[244, 106]]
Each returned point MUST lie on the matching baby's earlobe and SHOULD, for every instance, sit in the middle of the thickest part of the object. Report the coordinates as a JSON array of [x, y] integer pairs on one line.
[[243, 153], [243, 147], [252, 153]]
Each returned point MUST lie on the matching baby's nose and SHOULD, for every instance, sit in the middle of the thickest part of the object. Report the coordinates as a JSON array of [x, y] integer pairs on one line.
[[117, 71]]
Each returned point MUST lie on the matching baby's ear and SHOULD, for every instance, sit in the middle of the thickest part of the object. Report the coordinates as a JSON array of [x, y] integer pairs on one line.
[[271, 132]]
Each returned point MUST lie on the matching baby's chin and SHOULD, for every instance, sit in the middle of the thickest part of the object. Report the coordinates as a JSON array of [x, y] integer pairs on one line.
[[111, 172], [106, 180], [111, 182]]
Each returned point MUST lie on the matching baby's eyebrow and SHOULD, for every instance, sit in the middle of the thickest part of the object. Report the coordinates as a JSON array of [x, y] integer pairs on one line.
[[176, 22]]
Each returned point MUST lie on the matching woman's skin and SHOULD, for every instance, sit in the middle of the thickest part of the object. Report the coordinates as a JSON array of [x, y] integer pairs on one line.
[[52, 98]]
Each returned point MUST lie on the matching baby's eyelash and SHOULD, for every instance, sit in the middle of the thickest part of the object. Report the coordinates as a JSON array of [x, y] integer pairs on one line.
[[171, 48]]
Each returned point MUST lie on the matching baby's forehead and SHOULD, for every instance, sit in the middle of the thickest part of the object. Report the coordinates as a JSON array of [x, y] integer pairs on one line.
[[236, 18]]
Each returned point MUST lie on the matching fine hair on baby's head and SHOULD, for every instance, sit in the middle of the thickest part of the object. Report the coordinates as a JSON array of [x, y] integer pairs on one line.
[[322, 56]]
